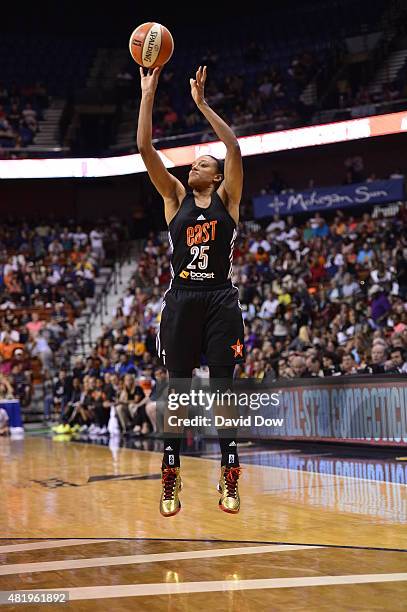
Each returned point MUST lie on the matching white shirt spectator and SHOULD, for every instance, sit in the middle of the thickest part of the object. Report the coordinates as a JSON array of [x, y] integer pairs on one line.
[[294, 242], [54, 278], [276, 226], [8, 304], [350, 289], [383, 278], [266, 246], [8, 268], [290, 235], [13, 335], [156, 306], [339, 260], [127, 304], [268, 308], [96, 239], [80, 238]]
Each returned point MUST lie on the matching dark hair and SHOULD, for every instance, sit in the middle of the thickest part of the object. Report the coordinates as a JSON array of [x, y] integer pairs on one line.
[[397, 349], [219, 163]]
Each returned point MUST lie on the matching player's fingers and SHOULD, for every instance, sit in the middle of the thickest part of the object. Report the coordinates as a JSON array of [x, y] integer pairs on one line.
[[141, 72], [204, 74]]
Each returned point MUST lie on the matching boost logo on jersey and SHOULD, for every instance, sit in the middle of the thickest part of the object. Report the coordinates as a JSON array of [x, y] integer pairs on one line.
[[197, 275]]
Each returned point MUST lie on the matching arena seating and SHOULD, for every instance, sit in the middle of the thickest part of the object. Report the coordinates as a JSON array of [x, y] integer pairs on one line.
[[33, 70], [325, 297], [48, 276], [257, 85]]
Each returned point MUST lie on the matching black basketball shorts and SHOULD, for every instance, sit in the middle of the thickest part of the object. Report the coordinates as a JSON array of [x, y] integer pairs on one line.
[[195, 323]]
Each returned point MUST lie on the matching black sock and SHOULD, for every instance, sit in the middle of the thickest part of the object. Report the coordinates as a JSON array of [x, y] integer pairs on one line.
[[221, 380], [228, 447], [171, 452], [179, 382]]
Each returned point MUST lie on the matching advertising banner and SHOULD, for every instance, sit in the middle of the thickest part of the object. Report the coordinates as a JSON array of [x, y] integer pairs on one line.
[[353, 409], [329, 198]]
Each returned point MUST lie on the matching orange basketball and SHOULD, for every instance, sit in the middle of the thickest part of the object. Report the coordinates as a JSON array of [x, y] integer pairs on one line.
[[151, 45]]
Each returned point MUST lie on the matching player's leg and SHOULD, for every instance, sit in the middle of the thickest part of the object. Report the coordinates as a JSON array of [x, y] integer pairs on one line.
[[179, 382], [223, 342], [179, 344], [151, 411], [221, 381]]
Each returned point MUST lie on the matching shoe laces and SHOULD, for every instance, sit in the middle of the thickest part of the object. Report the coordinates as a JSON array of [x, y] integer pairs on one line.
[[231, 476], [169, 478]]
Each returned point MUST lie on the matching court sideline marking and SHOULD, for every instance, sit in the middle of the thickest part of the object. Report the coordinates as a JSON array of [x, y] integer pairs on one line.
[[8, 548], [175, 588], [68, 564]]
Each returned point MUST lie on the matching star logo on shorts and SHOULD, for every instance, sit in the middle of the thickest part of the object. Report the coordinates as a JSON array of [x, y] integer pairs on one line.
[[238, 348]]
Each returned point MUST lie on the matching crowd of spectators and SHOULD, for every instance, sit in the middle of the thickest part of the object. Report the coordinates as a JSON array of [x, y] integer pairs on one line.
[[362, 96], [21, 108], [321, 298], [248, 95], [354, 172], [325, 298], [47, 272]]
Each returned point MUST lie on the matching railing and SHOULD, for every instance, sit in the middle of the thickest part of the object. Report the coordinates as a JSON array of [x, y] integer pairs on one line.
[[99, 308]]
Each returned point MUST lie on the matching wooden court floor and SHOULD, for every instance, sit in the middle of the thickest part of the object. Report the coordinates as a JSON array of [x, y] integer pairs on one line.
[[84, 519]]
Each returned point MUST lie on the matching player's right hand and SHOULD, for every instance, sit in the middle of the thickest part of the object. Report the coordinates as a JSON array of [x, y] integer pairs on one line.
[[149, 81]]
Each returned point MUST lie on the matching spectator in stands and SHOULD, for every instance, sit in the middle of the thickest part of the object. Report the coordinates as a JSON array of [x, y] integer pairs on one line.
[[21, 384], [4, 420], [313, 366], [30, 117], [35, 325], [380, 305], [378, 358], [130, 400], [157, 391], [6, 388], [299, 367], [62, 390], [399, 362], [96, 240], [348, 365]]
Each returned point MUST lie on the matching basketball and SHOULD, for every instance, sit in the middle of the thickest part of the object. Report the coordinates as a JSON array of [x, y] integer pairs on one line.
[[151, 45]]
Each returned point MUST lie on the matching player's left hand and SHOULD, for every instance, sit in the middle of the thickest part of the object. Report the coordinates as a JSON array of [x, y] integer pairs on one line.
[[198, 86]]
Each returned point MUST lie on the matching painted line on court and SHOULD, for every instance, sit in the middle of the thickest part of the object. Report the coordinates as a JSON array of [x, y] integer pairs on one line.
[[243, 454], [68, 564], [48, 544], [175, 588], [342, 477]]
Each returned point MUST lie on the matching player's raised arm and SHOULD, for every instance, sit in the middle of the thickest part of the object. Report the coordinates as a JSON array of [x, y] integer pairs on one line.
[[231, 188], [169, 187]]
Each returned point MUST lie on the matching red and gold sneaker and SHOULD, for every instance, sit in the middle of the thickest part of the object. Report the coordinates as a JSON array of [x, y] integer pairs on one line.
[[171, 486], [229, 490]]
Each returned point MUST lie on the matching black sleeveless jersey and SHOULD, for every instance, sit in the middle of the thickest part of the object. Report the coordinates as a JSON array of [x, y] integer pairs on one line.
[[202, 242]]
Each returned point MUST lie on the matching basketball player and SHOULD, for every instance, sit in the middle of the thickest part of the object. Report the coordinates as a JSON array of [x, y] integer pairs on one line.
[[201, 312]]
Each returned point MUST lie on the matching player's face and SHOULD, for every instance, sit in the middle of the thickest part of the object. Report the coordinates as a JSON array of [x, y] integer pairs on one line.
[[204, 173]]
